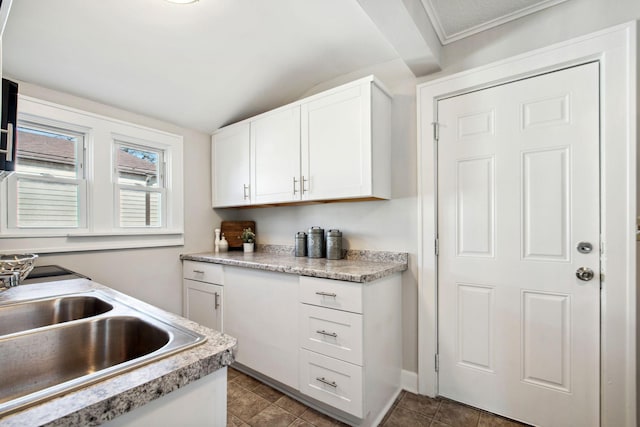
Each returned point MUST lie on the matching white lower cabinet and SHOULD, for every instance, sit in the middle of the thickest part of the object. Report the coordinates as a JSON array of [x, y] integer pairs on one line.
[[200, 403], [203, 303], [333, 344], [261, 311], [350, 344], [202, 293]]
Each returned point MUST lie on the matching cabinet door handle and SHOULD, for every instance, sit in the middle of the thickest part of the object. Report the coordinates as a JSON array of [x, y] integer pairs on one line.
[[304, 189], [323, 380], [295, 181], [326, 294], [216, 300], [245, 192], [199, 271], [328, 334], [9, 151]]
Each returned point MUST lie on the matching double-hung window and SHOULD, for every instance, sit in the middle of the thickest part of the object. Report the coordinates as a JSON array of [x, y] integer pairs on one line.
[[48, 189], [89, 182], [140, 185]]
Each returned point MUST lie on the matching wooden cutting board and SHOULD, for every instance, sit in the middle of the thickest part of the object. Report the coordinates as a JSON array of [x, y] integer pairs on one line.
[[233, 229]]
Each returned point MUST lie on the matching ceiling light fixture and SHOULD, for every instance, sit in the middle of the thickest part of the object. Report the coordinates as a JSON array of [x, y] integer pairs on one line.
[[182, 1]]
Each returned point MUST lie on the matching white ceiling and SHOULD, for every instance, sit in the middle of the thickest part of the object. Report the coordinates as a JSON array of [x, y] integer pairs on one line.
[[201, 65], [456, 19], [214, 62]]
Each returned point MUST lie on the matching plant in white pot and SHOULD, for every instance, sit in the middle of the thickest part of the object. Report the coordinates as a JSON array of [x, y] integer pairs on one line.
[[248, 239]]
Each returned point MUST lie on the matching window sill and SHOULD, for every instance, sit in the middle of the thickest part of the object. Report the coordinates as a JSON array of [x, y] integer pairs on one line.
[[90, 241], [140, 232]]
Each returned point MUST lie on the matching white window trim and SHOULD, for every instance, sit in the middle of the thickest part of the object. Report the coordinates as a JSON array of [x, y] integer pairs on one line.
[[102, 229]]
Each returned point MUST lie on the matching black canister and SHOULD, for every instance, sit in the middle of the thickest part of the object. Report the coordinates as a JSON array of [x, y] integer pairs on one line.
[[334, 244], [301, 244], [315, 242]]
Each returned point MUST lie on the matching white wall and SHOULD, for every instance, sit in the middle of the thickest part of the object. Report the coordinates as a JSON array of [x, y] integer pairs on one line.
[[153, 275], [380, 225], [558, 23]]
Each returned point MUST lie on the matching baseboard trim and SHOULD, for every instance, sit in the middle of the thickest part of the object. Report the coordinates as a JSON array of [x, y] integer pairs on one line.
[[409, 381]]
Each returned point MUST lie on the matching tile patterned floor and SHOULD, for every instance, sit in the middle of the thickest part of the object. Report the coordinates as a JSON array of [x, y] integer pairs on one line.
[[252, 403], [411, 410]]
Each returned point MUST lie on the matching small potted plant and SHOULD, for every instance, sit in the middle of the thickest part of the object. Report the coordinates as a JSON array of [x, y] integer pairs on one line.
[[248, 239]]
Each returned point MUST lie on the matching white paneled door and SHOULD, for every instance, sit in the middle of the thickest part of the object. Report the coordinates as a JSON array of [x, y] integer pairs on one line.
[[519, 200]]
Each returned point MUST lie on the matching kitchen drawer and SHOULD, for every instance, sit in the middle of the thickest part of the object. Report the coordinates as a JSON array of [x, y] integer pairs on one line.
[[331, 332], [202, 272], [331, 293], [332, 381]]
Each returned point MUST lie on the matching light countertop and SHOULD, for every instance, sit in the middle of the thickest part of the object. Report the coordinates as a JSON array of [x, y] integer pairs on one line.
[[357, 266], [106, 399]]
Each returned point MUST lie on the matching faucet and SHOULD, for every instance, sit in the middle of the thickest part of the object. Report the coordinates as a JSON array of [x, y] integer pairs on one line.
[[9, 279]]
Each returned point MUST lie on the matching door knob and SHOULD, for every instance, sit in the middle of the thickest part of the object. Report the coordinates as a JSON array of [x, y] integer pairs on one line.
[[584, 247], [584, 273]]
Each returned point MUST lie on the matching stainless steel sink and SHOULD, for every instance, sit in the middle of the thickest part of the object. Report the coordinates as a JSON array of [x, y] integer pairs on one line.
[[95, 336], [35, 314], [32, 362]]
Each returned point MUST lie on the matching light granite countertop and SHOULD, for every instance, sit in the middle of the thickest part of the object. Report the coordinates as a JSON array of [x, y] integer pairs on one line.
[[356, 266], [121, 393]]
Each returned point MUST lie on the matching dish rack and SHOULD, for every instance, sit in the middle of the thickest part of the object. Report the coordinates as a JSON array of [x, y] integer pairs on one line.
[[17, 263]]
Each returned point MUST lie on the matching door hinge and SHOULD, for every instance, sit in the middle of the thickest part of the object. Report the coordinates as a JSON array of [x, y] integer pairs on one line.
[[437, 362], [437, 246], [436, 131]]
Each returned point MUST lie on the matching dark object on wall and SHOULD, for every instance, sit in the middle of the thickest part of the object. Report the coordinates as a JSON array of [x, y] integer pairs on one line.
[[8, 132]]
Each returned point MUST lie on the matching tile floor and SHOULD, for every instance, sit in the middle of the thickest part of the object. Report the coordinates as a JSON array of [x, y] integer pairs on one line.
[[252, 403]]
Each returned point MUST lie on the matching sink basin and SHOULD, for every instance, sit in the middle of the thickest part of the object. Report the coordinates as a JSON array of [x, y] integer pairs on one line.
[[49, 346], [32, 362], [35, 314]]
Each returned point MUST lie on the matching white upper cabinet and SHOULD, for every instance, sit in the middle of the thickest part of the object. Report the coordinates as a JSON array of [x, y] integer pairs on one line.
[[345, 140], [230, 152], [275, 155], [335, 145]]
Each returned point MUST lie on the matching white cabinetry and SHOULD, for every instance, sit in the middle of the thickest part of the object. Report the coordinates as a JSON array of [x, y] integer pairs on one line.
[[333, 344], [203, 293], [200, 403], [346, 143], [331, 146], [350, 344], [275, 154], [230, 149], [261, 311]]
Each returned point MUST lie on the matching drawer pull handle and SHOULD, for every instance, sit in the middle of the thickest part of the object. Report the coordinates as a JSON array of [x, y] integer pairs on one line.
[[326, 294], [199, 271], [329, 334], [327, 382]]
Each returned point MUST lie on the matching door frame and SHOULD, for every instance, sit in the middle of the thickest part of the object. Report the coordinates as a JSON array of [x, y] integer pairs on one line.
[[615, 50]]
